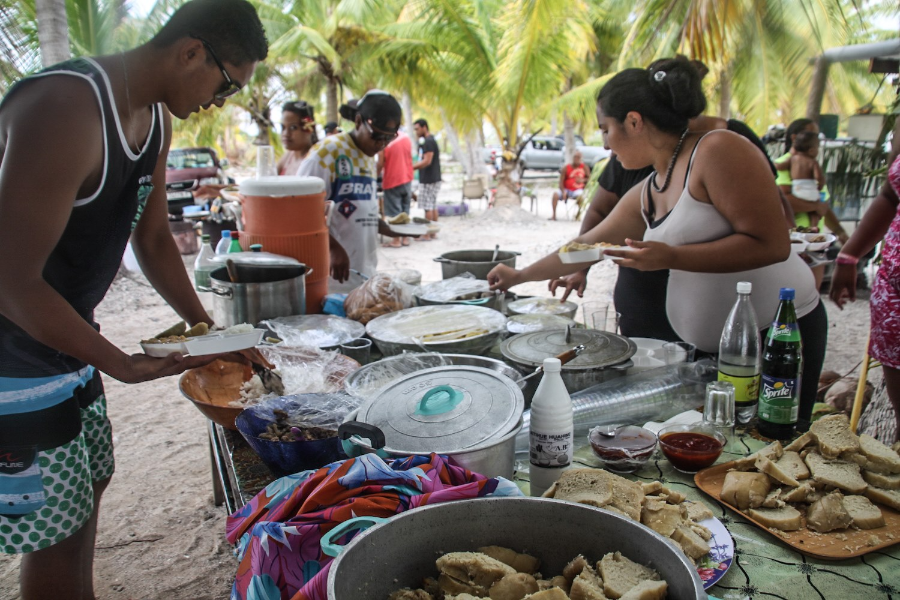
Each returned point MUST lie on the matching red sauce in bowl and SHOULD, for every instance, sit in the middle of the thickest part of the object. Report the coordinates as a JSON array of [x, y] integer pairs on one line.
[[690, 451]]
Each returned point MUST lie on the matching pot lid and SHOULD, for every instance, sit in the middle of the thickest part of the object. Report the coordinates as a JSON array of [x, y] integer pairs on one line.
[[319, 331], [258, 259], [445, 409], [538, 322], [282, 186], [543, 306], [601, 349]]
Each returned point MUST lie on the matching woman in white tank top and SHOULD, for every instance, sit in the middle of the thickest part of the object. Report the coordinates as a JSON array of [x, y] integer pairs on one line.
[[710, 213]]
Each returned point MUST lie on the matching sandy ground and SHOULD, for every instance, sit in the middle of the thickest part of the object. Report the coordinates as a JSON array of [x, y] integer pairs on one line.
[[160, 536]]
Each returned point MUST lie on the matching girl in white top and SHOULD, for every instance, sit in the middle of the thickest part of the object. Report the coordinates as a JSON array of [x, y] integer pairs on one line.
[[711, 214]]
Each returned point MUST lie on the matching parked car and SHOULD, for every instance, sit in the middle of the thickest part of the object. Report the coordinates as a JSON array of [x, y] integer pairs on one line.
[[548, 153], [195, 166]]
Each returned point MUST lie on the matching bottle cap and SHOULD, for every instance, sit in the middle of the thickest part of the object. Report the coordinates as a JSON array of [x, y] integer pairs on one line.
[[235, 235], [552, 365], [786, 294], [226, 233], [204, 238], [744, 287]]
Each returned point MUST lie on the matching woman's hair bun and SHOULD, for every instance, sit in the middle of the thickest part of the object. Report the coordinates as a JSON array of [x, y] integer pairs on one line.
[[676, 82]]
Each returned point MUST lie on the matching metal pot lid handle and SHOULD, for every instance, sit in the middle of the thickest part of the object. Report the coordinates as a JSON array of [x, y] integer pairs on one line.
[[441, 259], [439, 400], [373, 433], [331, 548]]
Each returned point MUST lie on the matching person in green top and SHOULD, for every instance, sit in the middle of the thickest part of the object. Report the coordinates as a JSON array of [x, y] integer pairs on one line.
[[803, 208]]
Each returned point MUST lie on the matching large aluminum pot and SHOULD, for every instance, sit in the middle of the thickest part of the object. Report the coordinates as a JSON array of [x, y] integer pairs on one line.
[[235, 303], [494, 458], [402, 551], [477, 262]]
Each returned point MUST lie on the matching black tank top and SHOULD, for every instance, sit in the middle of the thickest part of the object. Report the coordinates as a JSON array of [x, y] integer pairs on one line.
[[86, 259]]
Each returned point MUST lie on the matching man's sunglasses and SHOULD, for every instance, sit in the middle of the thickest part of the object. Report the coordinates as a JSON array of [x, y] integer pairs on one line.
[[230, 87], [380, 136]]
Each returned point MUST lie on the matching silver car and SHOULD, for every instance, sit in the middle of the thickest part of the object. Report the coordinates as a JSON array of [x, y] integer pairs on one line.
[[549, 153]]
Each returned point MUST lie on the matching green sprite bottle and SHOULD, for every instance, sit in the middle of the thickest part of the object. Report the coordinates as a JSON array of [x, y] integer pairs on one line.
[[782, 370]]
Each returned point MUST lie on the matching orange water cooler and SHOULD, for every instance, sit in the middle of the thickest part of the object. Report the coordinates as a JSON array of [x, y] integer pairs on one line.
[[287, 216]]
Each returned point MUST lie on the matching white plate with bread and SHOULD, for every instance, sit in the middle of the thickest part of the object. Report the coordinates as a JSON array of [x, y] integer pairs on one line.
[[828, 494]]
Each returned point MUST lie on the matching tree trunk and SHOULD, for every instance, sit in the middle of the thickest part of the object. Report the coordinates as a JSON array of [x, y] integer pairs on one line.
[[508, 185], [569, 129], [331, 100], [474, 148], [406, 103], [455, 147], [725, 94], [53, 31]]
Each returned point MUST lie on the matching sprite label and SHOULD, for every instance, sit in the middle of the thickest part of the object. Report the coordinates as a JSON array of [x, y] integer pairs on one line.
[[784, 332], [746, 389], [779, 400]]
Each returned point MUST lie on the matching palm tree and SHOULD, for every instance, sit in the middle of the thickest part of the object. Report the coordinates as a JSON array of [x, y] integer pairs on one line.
[[53, 31]]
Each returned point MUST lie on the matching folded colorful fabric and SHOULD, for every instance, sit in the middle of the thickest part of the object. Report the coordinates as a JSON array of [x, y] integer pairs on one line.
[[278, 533]]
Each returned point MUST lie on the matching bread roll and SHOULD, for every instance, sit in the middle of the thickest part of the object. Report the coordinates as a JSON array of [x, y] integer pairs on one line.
[[745, 490]]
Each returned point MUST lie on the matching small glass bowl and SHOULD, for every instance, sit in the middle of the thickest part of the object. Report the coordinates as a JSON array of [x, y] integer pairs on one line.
[[627, 451], [691, 448]]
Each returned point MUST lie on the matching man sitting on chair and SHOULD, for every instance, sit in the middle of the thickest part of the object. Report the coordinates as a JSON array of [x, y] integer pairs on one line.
[[572, 178]]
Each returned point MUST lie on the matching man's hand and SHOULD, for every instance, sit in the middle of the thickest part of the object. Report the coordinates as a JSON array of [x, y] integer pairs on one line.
[[843, 285], [503, 277], [140, 367], [576, 282], [340, 263]]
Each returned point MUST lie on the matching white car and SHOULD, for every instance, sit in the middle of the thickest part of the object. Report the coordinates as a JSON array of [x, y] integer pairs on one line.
[[549, 153]]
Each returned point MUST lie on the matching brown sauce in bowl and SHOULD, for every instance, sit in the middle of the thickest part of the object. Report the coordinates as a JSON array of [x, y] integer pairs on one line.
[[690, 451]]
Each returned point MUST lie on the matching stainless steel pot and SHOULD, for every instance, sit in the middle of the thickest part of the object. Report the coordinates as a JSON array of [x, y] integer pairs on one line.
[[470, 413], [477, 262], [235, 303], [495, 458], [606, 355], [401, 552]]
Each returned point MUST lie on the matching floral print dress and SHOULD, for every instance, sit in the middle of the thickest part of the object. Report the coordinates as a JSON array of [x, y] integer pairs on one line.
[[884, 342]]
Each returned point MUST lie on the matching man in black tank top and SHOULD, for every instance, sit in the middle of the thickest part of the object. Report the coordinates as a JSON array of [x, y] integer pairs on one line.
[[83, 148]]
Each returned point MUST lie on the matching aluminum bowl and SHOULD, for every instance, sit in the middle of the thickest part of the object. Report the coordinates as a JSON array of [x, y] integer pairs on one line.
[[402, 551]]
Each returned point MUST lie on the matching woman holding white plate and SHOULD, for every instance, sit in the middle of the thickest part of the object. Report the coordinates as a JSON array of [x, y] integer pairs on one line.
[[709, 212]]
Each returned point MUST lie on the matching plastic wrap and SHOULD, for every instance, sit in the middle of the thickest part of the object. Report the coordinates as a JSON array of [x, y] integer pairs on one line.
[[461, 287], [310, 410], [380, 295], [542, 306], [657, 394], [538, 322], [366, 382], [433, 324], [315, 331], [302, 371]]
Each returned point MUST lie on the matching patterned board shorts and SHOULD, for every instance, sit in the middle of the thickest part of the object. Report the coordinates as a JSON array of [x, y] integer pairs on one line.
[[67, 473], [427, 195]]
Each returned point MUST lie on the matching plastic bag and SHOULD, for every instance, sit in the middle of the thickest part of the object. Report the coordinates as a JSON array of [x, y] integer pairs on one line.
[[461, 287], [310, 410], [380, 295], [435, 324], [315, 331], [366, 382], [302, 371]]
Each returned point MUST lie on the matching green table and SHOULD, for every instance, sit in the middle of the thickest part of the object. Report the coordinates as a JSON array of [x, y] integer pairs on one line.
[[763, 566]]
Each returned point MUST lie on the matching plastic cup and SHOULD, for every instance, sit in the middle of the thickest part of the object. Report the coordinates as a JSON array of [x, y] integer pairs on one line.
[[718, 410], [679, 352], [265, 161], [359, 350]]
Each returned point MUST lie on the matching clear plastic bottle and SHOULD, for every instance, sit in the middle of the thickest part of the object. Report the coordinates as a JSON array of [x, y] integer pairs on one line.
[[235, 243], [224, 243], [203, 266], [740, 358], [552, 429]]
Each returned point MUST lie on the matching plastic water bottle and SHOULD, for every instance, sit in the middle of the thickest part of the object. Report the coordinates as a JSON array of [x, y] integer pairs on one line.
[[740, 356], [224, 243], [203, 266], [552, 429]]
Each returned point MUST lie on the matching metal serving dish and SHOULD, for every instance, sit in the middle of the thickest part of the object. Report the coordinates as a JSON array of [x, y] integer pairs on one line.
[[477, 262], [416, 329], [402, 551]]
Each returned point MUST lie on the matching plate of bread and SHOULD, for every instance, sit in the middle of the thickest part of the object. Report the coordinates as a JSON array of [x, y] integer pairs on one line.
[[829, 493], [689, 526]]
